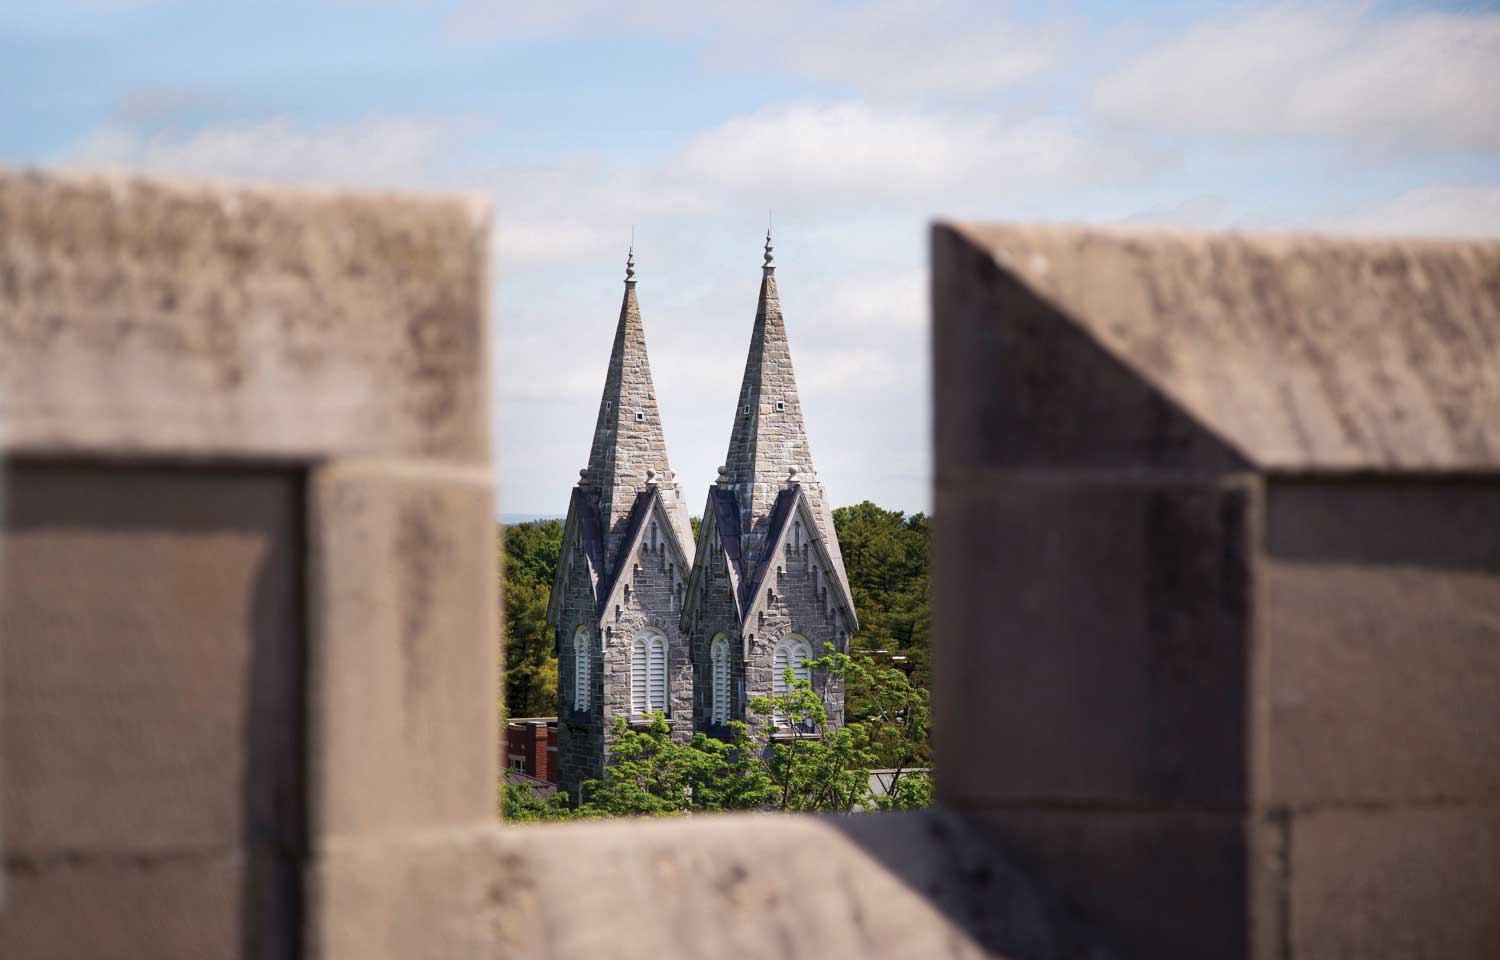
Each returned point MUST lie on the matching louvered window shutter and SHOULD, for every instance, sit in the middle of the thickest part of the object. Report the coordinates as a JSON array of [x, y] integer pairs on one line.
[[638, 679], [800, 653], [657, 676], [778, 682], [720, 670], [789, 655], [582, 681]]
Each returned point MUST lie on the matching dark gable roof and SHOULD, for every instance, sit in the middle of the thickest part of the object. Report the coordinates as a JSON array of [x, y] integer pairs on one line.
[[639, 511], [727, 521], [781, 512], [645, 506], [541, 789], [592, 535]]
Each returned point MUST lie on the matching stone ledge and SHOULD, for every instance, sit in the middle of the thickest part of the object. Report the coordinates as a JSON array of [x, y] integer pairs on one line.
[[146, 317]]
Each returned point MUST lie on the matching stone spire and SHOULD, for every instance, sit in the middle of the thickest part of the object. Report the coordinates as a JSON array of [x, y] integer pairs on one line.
[[768, 448], [629, 453]]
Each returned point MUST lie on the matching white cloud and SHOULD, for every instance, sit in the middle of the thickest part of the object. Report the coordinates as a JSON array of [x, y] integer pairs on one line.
[[576, 209], [1407, 80], [1435, 211], [900, 47], [903, 47], [385, 153], [852, 154]]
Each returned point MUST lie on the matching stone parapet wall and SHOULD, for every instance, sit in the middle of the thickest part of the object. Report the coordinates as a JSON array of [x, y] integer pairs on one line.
[[1209, 593]]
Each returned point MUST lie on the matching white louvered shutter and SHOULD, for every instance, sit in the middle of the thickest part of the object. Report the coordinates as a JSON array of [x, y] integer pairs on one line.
[[657, 674], [638, 705], [720, 673], [801, 652], [789, 654], [582, 681], [778, 681]]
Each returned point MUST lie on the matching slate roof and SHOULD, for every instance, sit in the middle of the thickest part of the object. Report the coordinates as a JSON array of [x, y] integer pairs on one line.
[[727, 520], [781, 512]]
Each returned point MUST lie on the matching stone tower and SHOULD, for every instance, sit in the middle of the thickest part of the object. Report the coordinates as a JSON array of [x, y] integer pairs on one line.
[[627, 548], [768, 588]]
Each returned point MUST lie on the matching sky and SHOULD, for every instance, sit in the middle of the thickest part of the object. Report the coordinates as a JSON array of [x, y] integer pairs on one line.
[[851, 126]]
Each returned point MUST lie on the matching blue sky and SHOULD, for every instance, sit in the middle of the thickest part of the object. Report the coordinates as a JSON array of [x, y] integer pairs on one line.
[[854, 123]]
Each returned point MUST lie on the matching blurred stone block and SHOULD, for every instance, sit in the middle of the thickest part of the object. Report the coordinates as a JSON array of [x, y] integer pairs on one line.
[[1215, 545], [1383, 883], [404, 721], [1064, 605], [152, 317], [151, 656]]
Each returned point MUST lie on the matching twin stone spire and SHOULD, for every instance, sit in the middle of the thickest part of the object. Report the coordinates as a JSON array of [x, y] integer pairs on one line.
[[647, 619]]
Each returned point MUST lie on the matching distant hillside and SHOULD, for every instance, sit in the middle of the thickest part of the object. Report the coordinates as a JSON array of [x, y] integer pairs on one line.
[[513, 518]]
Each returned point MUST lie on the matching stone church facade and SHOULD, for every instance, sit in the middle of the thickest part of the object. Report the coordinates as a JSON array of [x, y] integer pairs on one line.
[[645, 618]]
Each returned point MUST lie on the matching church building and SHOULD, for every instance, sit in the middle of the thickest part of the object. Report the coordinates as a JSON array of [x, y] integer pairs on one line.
[[768, 589], [627, 549], [647, 620]]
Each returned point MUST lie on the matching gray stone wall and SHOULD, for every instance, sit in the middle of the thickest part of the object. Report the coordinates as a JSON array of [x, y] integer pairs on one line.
[[652, 598], [716, 613], [794, 603], [580, 750], [629, 449]]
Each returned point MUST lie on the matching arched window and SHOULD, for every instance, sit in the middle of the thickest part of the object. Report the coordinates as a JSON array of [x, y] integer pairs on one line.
[[718, 670], [648, 674], [791, 653], [583, 686]]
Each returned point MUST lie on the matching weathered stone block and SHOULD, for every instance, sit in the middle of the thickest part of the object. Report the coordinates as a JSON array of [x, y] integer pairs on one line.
[[1019, 383], [93, 907], [1382, 602], [1383, 883], [151, 660], [1094, 640], [403, 657], [1156, 884], [151, 317], [896, 886], [1090, 347], [432, 895]]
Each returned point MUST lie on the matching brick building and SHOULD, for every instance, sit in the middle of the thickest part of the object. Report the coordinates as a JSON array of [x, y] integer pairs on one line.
[[531, 747]]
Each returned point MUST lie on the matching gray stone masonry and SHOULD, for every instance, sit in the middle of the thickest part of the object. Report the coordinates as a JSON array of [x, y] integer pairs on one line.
[[795, 591], [650, 600], [628, 457], [629, 449], [769, 437], [795, 603]]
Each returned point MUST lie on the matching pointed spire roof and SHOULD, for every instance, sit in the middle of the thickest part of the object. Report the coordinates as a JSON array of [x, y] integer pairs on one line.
[[629, 452], [768, 448]]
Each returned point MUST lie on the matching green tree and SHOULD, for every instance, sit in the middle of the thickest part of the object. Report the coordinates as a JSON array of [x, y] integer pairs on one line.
[[885, 554], [649, 774], [818, 769], [884, 675], [529, 557], [521, 802]]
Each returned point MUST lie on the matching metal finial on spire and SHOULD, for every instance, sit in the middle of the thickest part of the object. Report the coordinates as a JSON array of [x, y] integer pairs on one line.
[[770, 263], [630, 264]]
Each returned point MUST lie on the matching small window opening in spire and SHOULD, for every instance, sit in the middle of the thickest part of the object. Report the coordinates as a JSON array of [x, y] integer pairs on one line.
[[609, 405], [745, 409], [640, 417], [780, 406]]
